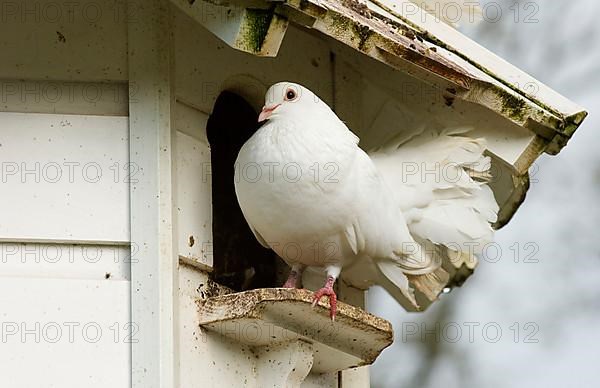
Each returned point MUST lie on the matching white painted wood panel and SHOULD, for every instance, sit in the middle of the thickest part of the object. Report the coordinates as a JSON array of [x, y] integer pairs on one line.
[[92, 98], [194, 199], [205, 65], [191, 121], [65, 40], [208, 359], [64, 178], [66, 261], [65, 333], [154, 303]]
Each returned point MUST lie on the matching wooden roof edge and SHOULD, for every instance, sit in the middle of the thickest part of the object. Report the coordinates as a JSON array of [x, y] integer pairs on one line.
[[420, 45], [518, 96]]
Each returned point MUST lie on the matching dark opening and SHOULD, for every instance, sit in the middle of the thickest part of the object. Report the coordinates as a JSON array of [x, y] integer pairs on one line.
[[240, 262]]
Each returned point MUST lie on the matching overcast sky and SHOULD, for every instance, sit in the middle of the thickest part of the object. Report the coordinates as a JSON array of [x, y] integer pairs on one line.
[[524, 324]]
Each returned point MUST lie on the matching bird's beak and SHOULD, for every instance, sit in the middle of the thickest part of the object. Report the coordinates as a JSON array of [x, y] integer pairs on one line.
[[266, 112]]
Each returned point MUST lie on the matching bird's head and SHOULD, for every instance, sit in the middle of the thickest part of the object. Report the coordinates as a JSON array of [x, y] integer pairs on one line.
[[290, 99]]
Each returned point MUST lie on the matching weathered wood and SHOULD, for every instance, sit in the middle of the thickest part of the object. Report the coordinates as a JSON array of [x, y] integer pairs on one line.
[[154, 275], [272, 316], [252, 27]]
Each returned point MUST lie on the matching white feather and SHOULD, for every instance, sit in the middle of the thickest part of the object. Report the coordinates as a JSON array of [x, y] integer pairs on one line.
[[442, 201], [374, 209]]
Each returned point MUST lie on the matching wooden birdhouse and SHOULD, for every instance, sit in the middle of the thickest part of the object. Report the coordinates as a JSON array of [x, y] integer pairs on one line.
[[126, 261]]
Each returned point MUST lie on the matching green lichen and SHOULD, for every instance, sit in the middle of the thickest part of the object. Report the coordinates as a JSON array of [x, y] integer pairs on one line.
[[256, 27], [304, 5], [339, 23], [573, 122], [512, 105], [343, 25], [432, 39], [362, 33]]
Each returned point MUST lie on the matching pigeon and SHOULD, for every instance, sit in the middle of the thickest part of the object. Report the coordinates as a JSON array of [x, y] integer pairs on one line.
[[312, 195]]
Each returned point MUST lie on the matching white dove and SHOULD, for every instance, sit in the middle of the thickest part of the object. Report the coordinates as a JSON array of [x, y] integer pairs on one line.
[[312, 195]]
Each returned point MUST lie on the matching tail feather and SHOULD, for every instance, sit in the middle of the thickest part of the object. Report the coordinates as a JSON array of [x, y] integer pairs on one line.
[[440, 178], [395, 282], [418, 258], [432, 175]]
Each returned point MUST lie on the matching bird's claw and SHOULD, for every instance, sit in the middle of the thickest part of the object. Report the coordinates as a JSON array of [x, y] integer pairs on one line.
[[327, 291]]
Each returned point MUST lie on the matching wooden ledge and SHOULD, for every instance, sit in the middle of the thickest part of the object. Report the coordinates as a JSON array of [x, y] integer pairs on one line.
[[273, 317]]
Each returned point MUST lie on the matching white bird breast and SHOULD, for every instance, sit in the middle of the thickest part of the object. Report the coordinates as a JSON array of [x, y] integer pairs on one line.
[[297, 200]]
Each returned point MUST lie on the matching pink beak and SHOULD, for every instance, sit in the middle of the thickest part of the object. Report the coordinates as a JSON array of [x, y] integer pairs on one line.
[[266, 112]]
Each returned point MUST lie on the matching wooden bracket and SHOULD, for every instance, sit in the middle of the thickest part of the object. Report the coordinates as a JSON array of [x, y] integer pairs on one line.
[[251, 28], [272, 320], [284, 365]]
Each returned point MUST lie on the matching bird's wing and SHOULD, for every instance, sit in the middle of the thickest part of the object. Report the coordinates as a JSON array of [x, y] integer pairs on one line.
[[452, 12], [378, 228], [440, 180], [442, 204]]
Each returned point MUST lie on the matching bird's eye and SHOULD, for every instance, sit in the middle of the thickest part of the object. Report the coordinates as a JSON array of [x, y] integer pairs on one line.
[[290, 94]]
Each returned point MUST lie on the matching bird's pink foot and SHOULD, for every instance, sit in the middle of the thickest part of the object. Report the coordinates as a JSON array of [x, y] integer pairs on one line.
[[294, 280], [327, 290]]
